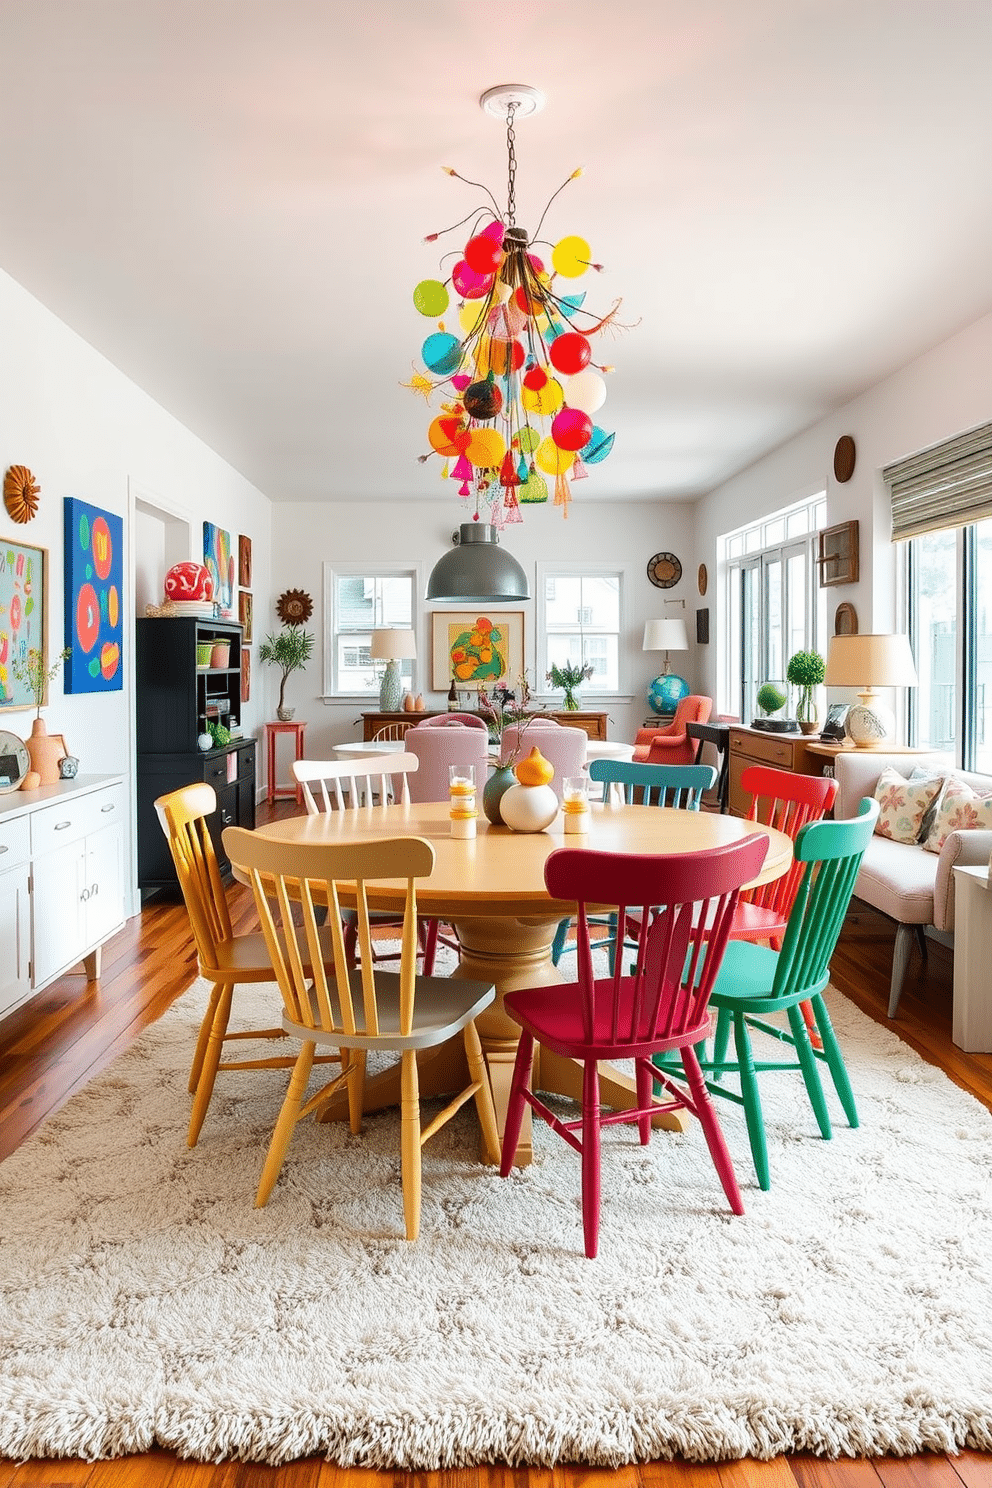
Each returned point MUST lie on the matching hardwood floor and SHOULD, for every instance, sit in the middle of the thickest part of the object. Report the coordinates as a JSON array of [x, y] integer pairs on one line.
[[71, 1031]]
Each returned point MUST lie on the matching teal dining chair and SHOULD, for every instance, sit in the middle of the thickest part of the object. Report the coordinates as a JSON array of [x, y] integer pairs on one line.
[[756, 982], [679, 786]]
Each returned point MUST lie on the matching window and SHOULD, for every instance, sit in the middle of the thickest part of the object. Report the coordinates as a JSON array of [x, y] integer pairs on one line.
[[580, 621], [356, 602], [949, 621], [772, 599]]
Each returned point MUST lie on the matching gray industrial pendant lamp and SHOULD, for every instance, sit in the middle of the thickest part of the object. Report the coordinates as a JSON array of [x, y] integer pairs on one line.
[[477, 570]]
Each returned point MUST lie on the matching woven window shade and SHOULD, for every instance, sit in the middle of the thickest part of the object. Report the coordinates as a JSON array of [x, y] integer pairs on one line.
[[948, 485]]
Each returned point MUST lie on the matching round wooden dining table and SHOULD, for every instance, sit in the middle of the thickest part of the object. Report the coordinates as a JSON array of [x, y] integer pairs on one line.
[[490, 888]]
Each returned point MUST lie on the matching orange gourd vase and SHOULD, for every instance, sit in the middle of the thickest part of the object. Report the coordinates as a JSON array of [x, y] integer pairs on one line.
[[45, 750]]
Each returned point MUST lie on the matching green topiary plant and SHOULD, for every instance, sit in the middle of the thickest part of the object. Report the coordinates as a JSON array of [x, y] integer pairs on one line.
[[770, 698], [291, 649], [806, 670]]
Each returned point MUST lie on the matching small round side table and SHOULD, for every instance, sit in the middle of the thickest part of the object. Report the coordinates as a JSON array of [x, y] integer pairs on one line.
[[272, 730]]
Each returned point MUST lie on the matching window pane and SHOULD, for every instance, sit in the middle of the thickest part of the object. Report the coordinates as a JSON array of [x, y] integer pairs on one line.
[[774, 533], [751, 660], [582, 626], [935, 604], [798, 522], [774, 665], [363, 603], [796, 630], [734, 637], [983, 647]]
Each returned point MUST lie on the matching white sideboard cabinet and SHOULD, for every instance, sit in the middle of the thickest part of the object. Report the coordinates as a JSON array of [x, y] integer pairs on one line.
[[61, 880]]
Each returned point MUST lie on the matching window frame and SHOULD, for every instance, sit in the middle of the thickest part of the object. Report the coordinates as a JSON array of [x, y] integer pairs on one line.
[[333, 571], [554, 570]]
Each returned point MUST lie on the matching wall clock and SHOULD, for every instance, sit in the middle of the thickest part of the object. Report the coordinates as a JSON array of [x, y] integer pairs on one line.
[[664, 570], [15, 762]]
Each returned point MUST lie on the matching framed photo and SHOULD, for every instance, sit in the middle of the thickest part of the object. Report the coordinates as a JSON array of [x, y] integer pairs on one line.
[[94, 581], [23, 616], [834, 724], [219, 560], [244, 562], [244, 615], [479, 648], [837, 559]]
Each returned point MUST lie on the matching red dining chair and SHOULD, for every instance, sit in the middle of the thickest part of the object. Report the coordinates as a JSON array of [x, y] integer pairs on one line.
[[787, 802], [669, 744], [659, 1007]]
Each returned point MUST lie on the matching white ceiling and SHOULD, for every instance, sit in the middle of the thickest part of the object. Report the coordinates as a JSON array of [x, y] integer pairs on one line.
[[228, 198]]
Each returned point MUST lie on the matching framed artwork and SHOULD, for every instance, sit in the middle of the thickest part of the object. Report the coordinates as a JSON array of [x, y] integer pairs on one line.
[[94, 579], [245, 674], [219, 560], [244, 562], [702, 627], [244, 614], [837, 557], [478, 648], [23, 615]]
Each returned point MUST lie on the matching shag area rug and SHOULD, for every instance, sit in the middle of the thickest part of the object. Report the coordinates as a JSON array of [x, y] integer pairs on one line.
[[144, 1300]]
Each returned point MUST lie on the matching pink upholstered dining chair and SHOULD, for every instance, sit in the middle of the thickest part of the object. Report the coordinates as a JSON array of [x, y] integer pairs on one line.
[[438, 743], [562, 746], [670, 744]]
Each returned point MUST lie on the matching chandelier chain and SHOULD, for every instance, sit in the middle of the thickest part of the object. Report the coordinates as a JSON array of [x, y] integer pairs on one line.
[[511, 166]]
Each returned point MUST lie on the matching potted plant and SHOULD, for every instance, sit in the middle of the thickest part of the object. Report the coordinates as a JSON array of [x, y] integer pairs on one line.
[[806, 670], [45, 750], [569, 677], [290, 650]]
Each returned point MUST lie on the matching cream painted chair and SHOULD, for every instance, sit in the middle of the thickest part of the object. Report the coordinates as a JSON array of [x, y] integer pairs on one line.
[[224, 959], [363, 1009]]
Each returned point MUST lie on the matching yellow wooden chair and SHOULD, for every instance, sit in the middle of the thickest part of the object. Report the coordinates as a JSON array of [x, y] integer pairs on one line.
[[225, 959], [364, 1008]]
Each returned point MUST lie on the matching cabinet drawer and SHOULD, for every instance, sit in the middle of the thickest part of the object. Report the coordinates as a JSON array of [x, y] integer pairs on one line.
[[215, 772], [69, 821], [15, 842], [769, 750]]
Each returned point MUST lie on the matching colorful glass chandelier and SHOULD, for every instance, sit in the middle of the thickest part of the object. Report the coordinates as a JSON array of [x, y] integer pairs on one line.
[[519, 385]]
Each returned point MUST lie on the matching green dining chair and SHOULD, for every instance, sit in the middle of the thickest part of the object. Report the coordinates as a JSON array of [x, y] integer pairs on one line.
[[756, 982], [678, 786]]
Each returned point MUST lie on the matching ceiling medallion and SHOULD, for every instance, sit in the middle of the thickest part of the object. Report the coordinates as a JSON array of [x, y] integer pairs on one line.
[[20, 493], [513, 360], [664, 570], [294, 607]]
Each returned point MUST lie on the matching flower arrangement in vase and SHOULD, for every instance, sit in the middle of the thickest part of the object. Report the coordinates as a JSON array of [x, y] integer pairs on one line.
[[502, 708], [806, 670], [568, 678], [45, 750]]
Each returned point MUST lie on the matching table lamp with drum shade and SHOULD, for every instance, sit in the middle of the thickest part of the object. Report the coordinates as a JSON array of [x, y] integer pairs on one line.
[[392, 646], [866, 662], [667, 689]]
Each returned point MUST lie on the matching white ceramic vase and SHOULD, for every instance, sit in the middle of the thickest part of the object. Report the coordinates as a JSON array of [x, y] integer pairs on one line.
[[528, 808]]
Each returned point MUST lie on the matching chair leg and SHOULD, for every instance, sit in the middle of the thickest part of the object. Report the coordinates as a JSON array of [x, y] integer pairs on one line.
[[201, 1042], [355, 1059], [428, 930], [211, 1059], [752, 1101], [810, 1073], [712, 1130], [721, 1038], [900, 961], [515, 1104], [809, 1018], [484, 1095], [835, 1062], [558, 944], [645, 1090], [590, 1157], [410, 1141], [285, 1124]]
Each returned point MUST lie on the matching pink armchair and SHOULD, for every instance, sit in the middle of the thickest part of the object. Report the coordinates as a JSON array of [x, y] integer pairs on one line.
[[671, 745], [438, 743]]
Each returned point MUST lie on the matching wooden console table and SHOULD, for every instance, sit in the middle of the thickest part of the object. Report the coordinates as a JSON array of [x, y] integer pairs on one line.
[[594, 724]]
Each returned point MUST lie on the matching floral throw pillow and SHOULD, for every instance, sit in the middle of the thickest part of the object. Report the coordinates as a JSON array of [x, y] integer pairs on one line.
[[902, 803], [961, 809]]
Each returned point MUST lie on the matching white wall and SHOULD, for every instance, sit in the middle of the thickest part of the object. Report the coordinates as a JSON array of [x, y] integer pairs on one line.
[[86, 430], [304, 536], [947, 390]]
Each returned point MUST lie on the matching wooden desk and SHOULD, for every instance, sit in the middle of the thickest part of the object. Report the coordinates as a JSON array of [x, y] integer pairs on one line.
[[491, 889]]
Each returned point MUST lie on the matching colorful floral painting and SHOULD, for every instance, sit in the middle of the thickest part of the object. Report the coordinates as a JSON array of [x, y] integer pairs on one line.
[[94, 578], [218, 557], [477, 650], [22, 616]]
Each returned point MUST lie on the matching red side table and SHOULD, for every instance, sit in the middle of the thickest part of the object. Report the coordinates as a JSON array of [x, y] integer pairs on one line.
[[272, 730]]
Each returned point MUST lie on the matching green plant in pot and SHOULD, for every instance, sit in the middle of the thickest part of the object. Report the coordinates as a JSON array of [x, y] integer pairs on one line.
[[290, 650], [806, 671]]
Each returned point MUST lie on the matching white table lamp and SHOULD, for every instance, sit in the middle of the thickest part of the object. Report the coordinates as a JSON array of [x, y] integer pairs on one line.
[[866, 662], [668, 688], [392, 647]]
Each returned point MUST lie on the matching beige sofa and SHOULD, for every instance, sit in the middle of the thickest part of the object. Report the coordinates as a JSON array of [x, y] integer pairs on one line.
[[915, 887]]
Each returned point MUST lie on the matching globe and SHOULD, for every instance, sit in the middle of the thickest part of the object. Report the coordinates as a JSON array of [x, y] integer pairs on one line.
[[665, 693]]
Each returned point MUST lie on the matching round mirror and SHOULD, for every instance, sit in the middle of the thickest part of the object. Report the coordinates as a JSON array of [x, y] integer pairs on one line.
[[15, 762]]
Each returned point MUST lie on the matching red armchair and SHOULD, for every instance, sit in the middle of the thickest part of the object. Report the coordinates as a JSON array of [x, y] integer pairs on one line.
[[671, 745]]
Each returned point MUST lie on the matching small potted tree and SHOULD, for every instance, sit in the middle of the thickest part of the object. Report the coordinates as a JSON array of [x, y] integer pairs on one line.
[[290, 650], [806, 670]]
